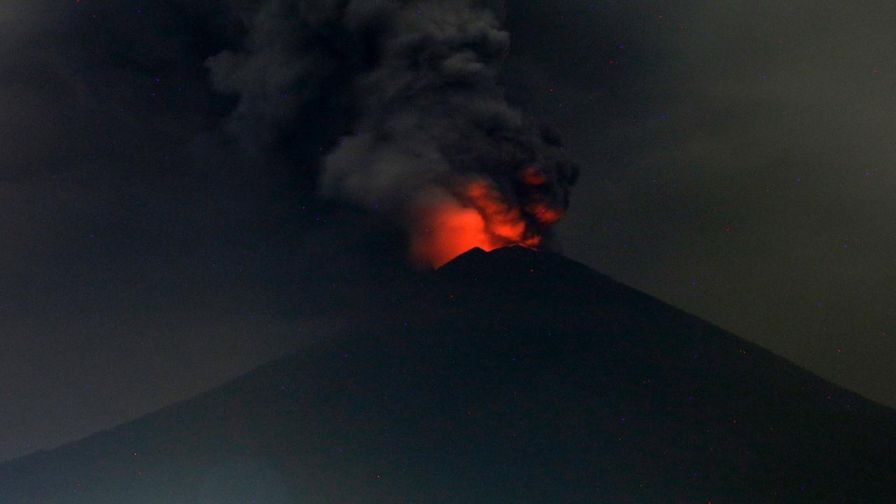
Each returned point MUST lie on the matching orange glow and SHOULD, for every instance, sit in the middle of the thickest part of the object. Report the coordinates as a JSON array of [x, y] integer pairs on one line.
[[501, 220], [544, 214], [477, 216], [449, 231], [533, 176]]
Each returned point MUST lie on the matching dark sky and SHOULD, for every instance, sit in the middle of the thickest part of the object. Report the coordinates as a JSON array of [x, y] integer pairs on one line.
[[737, 161]]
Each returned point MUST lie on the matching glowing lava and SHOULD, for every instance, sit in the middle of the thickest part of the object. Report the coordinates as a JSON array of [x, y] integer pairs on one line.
[[477, 216]]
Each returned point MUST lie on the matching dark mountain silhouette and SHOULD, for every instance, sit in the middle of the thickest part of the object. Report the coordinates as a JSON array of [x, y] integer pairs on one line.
[[505, 377]]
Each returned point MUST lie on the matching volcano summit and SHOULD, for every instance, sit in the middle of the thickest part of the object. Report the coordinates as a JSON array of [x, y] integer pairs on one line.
[[513, 376]]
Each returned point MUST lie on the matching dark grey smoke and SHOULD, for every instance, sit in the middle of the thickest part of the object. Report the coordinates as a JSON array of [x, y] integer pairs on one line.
[[410, 89]]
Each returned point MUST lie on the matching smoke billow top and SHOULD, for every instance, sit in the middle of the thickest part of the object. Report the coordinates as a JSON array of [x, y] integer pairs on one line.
[[431, 140]]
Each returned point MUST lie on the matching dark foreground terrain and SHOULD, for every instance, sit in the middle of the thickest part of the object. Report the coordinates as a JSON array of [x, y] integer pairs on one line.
[[509, 377]]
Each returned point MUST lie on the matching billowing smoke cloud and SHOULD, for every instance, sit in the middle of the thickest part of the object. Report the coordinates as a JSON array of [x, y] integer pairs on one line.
[[427, 136]]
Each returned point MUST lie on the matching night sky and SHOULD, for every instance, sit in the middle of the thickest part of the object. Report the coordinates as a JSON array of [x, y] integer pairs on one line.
[[736, 161]]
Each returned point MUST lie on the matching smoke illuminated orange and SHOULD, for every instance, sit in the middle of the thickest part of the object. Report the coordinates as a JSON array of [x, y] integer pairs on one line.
[[478, 216]]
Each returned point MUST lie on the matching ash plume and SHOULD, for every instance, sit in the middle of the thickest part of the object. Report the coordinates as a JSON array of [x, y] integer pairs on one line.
[[425, 134]]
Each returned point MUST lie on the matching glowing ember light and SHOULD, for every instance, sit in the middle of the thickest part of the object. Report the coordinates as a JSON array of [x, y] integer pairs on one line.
[[478, 215], [544, 214], [533, 176], [448, 231]]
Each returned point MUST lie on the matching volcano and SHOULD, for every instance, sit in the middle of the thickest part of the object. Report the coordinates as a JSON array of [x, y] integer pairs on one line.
[[512, 376]]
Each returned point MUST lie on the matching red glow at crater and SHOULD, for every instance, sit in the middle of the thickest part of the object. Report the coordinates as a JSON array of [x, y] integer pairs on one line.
[[477, 216]]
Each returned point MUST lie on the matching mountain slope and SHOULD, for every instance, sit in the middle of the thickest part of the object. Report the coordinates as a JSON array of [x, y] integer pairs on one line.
[[510, 376]]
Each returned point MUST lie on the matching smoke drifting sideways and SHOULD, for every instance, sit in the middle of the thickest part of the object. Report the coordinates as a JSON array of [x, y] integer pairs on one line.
[[427, 137]]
